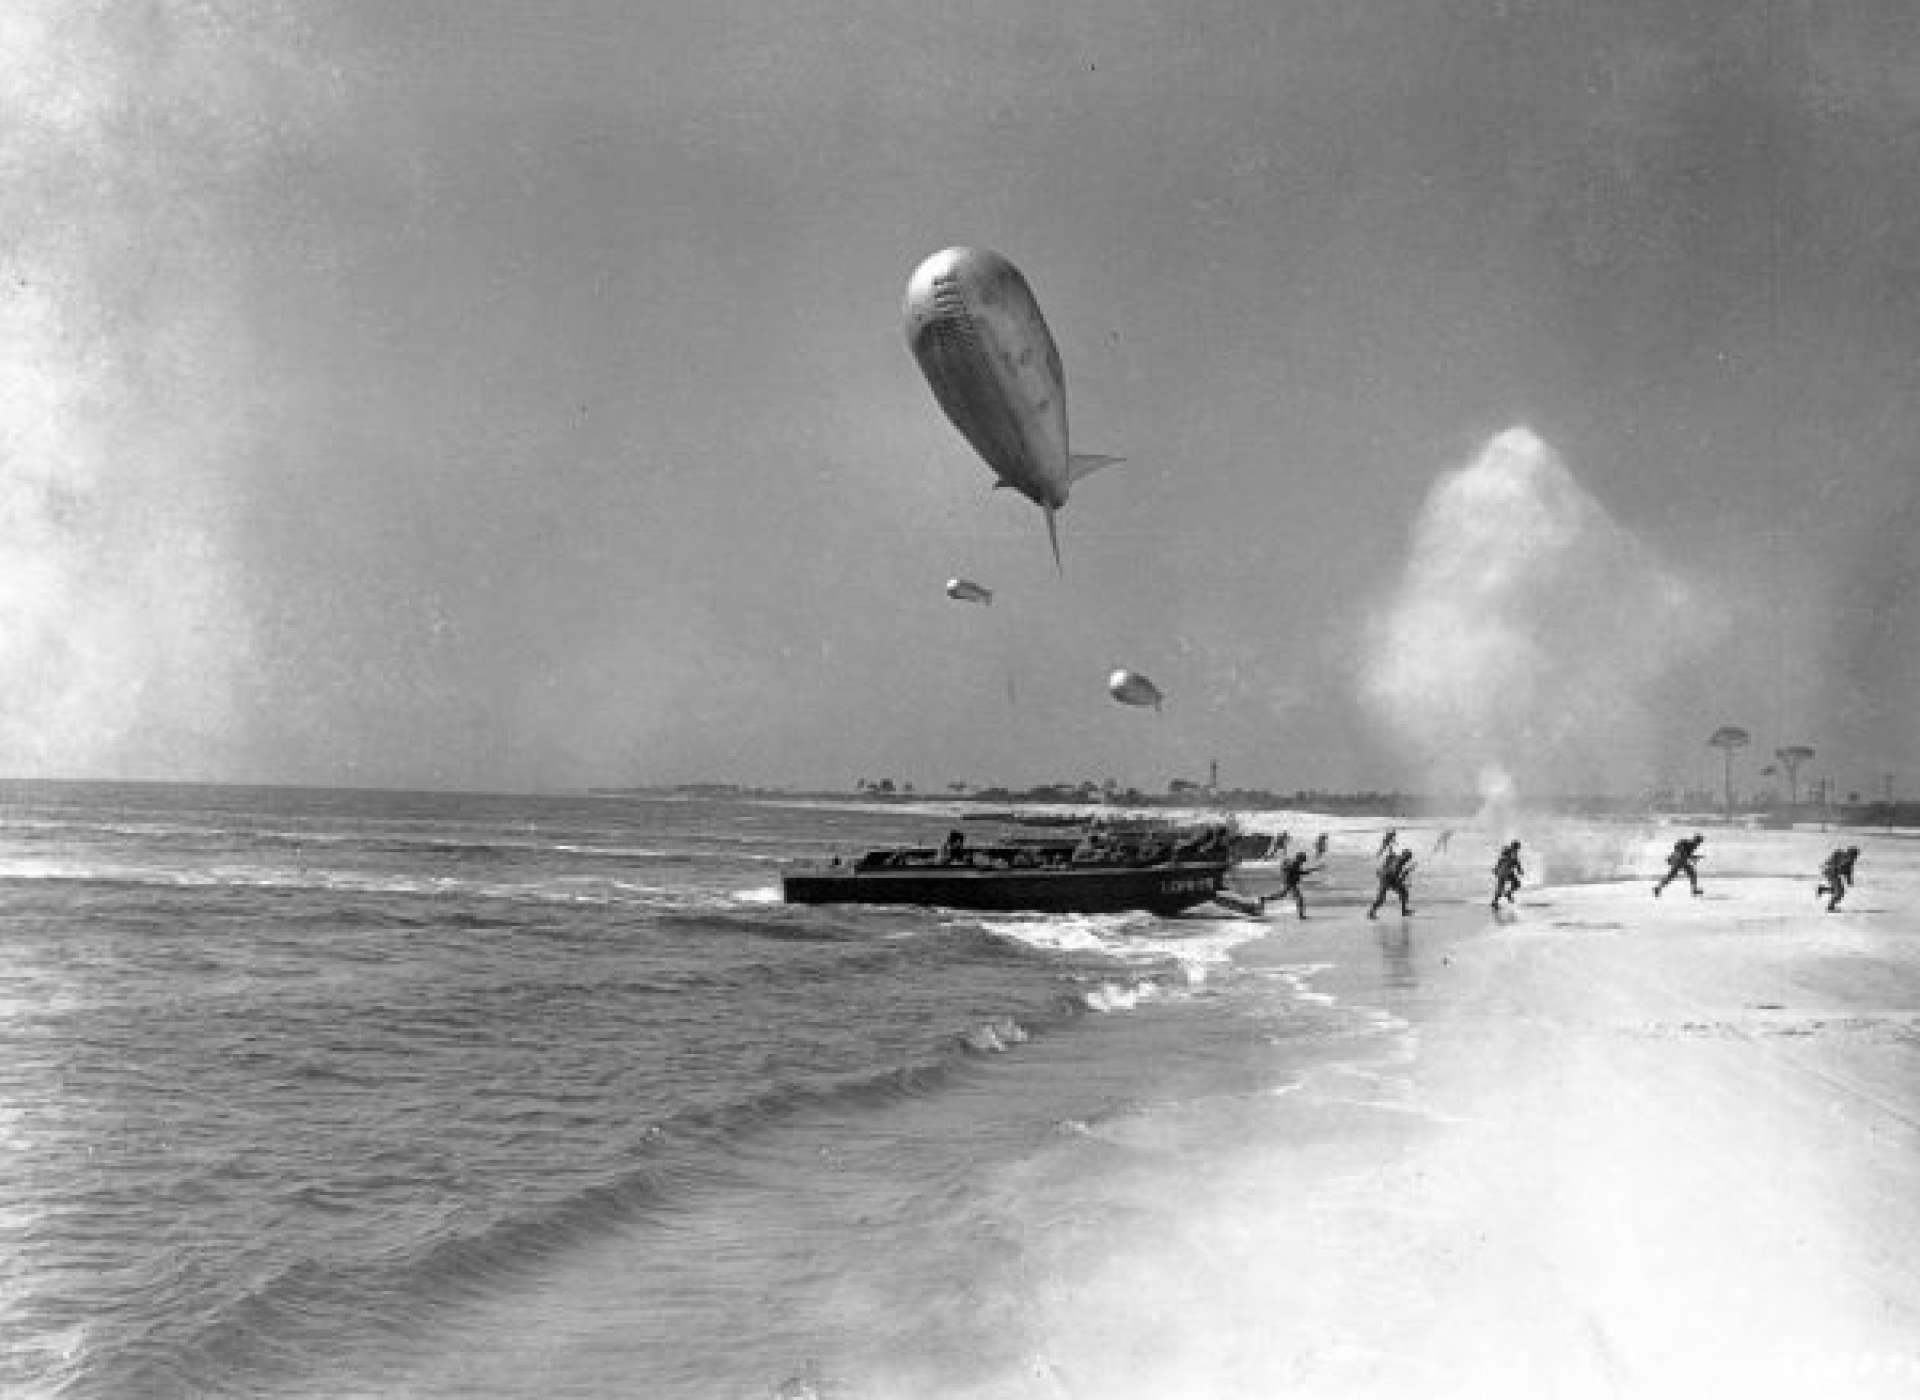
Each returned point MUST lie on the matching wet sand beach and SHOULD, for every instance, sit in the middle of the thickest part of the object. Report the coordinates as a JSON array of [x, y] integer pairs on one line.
[[1628, 1147]]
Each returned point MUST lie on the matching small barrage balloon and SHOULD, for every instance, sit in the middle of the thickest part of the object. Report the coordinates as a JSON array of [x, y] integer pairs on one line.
[[1132, 688], [963, 590]]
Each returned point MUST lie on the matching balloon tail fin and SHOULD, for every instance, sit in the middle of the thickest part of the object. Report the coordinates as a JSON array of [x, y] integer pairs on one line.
[[1081, 464]]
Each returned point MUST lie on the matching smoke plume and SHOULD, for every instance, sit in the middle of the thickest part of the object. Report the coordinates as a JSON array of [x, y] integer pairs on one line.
[[1519, 653]]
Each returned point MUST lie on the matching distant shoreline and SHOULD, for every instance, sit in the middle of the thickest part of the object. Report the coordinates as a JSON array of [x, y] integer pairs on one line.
[[1901, 818], [1397, 807]]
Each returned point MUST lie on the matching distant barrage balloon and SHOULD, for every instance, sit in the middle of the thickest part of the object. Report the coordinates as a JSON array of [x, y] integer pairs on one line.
[[1132, 688], [963, 590]]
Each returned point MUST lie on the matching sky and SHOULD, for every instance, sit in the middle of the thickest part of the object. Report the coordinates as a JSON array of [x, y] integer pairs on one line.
[[479, 395]]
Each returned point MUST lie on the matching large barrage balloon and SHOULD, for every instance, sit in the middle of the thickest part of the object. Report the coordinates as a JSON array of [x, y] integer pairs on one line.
[[1132, 688], [964, 590], [979, 337]]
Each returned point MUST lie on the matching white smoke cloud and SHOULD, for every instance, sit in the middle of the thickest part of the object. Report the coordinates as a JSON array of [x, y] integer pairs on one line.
[[1520, 650], [124, 131]]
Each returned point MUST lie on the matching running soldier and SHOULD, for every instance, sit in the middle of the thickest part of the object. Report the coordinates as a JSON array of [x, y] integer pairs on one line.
[[1394, 873], [1682, 861], [1291, 874], [1507, 873], [1833, 876], [1837, 873]]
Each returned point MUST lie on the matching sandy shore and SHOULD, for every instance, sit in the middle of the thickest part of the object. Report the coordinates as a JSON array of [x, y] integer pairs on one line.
[[1624, 1146]]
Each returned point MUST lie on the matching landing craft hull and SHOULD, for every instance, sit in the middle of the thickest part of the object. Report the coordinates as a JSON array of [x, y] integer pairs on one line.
[[1160, 889], [979, 337]]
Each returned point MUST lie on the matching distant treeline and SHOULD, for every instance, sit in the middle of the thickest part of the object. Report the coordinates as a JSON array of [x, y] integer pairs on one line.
[[1385, 804], [1701, 804]]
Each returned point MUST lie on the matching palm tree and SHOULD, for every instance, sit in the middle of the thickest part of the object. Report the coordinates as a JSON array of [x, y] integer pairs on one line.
[[1790, 758], [1729, 739]]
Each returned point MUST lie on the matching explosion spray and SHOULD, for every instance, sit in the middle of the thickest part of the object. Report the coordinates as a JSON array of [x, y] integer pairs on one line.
[[1520, 648]]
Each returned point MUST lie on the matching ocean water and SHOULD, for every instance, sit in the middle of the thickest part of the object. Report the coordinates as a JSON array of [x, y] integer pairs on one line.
[[323, 1093]]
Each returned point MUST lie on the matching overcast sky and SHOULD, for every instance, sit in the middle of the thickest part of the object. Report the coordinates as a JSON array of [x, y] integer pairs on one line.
[[514, 396]]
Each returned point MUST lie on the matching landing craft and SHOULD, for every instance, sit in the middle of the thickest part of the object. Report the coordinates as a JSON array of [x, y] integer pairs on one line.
[[963, 590], [1132, 688], [978, 334]]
